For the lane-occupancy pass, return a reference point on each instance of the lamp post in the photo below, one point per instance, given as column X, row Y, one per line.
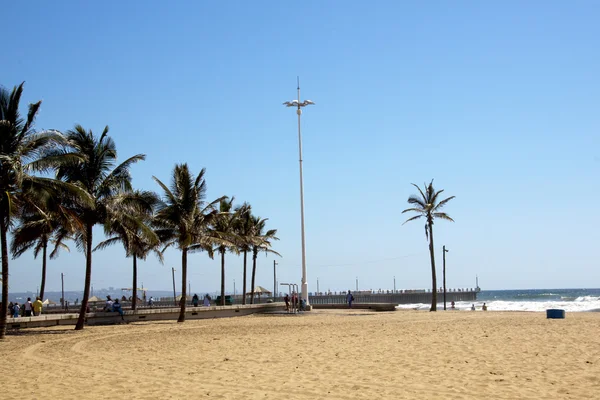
column 299, row 105
column 62, row 280
column 275, row 263
column 174, row 295
column 444, row 272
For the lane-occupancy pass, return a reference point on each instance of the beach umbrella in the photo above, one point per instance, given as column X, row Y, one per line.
column 94, row 299
column 48, row 302
column 260, row 290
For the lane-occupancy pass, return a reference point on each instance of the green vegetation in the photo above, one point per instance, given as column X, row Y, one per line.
column 428, row 205
column 56, row 187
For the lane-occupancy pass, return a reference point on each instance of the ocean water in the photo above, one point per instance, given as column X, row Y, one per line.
column 527, row 300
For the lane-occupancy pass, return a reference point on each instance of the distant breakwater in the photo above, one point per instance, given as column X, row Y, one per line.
column 394, row 298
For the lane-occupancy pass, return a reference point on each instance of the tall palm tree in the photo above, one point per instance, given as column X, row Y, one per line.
column 42, row 227
column 129, row 223
column 427, row 205
column 22, row 152
column 94, row 175
column 183, row 219
column 245, row 238
column 225, row 227
column 262, row 243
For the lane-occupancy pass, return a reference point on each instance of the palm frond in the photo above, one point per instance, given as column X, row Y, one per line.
column 442, row 203
column 442, row 216
column 413, row 218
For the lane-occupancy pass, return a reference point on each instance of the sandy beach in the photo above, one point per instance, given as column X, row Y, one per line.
column 323, row 354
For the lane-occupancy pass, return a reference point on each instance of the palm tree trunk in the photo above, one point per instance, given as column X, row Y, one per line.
column 4, row 308
column 222, row 277
column 88, row 277
column 254, row 254
column 183, row 285
column 134, row 299
column 244, row 292
column 433, row 280
column 43, row 284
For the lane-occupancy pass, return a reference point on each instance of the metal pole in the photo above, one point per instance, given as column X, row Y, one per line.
column 304, row 281
column 189, row 287
column 174, row 295
column 234, row 292
column 394, row 284
column 318, row 286
column 274, row 280
column 444, row 273
column 62, row 279
column 357, row 283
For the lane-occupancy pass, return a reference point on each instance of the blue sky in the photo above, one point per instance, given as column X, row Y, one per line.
column 498, row 102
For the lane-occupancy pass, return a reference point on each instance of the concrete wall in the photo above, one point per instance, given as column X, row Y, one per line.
column 150, row 314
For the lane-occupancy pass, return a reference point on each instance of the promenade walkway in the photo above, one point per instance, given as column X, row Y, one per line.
column 148, row 314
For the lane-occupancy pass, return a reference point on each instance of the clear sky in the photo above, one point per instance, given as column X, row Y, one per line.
column 497, row 101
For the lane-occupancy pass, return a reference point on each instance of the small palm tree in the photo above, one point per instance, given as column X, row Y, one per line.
column 245, row 238
column 129, row 223
column 262, row 243
column 22, row 152
column 183, row 219
column 225, row 227
column 39, row 228
column 94, row 173
column 428, row 206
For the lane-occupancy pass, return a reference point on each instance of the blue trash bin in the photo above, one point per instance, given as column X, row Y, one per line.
column 555, row 314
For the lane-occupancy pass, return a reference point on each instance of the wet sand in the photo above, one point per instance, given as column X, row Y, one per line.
column 335, row 354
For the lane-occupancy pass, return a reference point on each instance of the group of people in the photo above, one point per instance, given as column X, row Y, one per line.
column 27, row 309
column 483, row 307
column 114, row 306
column 295, row 303
column 196, row 300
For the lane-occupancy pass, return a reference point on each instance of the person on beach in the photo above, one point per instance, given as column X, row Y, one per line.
column 473, row 307
column 116, row 306
column 28, row 307
column 484, row 307
column 195, row 300
column 37, row 306
column 349, row 299
column 151, row 301
column 108, row 306
column 206, row 300
column 287, row 302
column 452, row 305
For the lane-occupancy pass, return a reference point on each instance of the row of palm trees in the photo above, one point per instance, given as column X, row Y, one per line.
column 56, row 187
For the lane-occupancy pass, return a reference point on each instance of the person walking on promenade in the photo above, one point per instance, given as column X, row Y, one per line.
column 37, row 306
column 206, row 300
column 28, row 307
column 287, row 302
column 151, row 301
column 349, row 299
column 195, row 300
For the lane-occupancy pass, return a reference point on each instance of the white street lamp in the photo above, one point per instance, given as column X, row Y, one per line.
column 299, row 105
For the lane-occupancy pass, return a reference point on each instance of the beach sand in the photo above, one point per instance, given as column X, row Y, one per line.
column 337, row 354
